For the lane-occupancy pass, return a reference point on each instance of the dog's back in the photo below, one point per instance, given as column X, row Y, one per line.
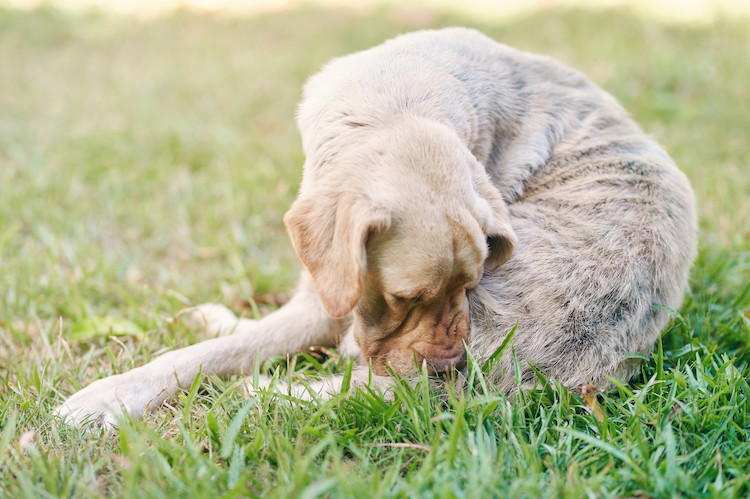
column 605, row 220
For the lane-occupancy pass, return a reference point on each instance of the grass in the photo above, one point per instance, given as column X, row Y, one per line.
column 145, row 166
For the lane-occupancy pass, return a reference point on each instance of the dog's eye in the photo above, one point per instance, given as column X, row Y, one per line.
column 406, row 299
column 416, row 300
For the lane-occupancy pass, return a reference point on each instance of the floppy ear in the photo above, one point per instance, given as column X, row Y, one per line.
column 501, row 239
column 329, row 233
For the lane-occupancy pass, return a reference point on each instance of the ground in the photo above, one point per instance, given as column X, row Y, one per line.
column 145, row 165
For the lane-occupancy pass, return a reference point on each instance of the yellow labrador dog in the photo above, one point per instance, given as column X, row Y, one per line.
column 454, row 186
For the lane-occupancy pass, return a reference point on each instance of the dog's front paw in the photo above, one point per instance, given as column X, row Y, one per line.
column 103, row 402
column 214, row 319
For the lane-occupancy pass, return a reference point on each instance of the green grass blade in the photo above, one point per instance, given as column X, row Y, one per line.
column 228, row 442
column 495, row 357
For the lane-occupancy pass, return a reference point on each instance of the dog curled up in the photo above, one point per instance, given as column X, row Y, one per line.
column 455, row 187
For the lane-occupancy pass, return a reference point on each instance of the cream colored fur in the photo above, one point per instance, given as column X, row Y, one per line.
column 454, row 186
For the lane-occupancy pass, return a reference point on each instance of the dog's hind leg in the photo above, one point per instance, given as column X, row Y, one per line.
column 325, row 388
column 214, row 319
column 299, row 324
column 361, row 377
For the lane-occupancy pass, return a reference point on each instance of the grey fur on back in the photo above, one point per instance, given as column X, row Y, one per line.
column 605, row 221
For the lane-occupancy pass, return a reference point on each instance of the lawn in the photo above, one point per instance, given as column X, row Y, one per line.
column 145, row 165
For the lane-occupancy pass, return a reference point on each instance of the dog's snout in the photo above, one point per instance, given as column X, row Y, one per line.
column 444, row 365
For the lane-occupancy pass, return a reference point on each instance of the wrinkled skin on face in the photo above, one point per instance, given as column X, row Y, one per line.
column 414, row 305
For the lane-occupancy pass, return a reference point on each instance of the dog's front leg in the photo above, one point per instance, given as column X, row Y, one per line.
column 296, row 326
column 361, row 378
column 324, row 389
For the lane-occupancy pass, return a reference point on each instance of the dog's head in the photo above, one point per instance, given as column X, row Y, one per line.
column 398, row 233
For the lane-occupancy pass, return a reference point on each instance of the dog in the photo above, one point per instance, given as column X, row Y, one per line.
column 455, row 189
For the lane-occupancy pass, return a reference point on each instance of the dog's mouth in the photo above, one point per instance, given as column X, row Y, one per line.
column 438, row 342
column 437, row 366
column 443, row 366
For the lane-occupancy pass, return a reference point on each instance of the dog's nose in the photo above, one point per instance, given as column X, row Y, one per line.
column 444, row 365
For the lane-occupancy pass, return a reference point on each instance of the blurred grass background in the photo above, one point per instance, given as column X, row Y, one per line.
column 147, row 155
column 163, row 152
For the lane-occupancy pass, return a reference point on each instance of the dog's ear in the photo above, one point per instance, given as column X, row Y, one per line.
column 329, row 233
column 501, row 239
